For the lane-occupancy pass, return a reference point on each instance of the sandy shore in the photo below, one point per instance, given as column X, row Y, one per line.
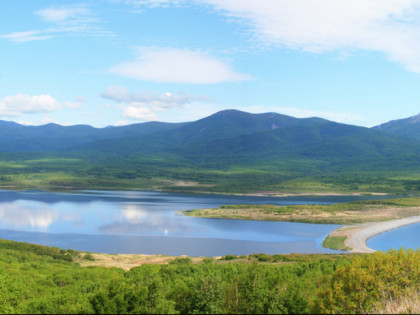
column 280, row 194
column 357, row 235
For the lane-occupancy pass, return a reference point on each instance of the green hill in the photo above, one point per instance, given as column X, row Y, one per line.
column 407, row 127
column 230, row 151
column 47, row 280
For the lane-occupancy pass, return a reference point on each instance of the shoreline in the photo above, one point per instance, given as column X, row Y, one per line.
column 358, row 234
column 275, row 194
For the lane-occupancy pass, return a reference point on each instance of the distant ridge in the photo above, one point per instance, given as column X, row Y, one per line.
column 228, row 136
column 52, row 137
column 229, row 151
column 407, row 127
column 236, row 137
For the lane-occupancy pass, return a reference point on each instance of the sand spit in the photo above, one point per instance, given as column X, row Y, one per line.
column 357, row 235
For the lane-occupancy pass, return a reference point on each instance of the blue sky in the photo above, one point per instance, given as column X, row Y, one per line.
column 115, row 62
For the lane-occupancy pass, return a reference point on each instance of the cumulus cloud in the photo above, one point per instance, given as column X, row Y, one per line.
column 19, row 104
column 143, row 105
column 164, row 64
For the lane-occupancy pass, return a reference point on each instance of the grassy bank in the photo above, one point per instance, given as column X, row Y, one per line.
column 343, row 213
column 335, row 242
column 81, row 170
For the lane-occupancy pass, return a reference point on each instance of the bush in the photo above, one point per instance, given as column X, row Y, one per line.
column 88, row 256
column 359, row 286
column 181, row 261
column 229, row 257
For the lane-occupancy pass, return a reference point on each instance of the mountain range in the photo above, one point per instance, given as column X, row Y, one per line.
column 227, row 133
column 229, row 140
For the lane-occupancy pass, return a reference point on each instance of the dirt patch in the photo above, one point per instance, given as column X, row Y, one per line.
column 128, row 261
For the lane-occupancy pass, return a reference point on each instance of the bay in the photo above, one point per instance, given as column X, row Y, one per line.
column 147, row 222
column 404, row 237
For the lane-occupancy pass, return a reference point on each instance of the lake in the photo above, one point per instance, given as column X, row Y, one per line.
column 407, row 237
column 147, row 222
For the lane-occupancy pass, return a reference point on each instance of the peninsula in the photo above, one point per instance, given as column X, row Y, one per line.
column 361, row 220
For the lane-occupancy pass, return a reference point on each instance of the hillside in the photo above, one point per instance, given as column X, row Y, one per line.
column 243, row 136
column 52, row 137
column 407, row 127
column 46, row 280
column 230, row 151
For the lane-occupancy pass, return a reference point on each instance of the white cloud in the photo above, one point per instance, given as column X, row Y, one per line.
column 21, row 37
column 164, row 64
column 140, row 113
column 142, row 106
column 121, row 123
column 78, row 104
column 20, row 104
column 391, row 27
column 66, row 14
column 45, row 120
column 151, row 99
column 61, row 20
column 150, row 3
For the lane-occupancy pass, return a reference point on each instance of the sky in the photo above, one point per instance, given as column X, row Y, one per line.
column 118, row 62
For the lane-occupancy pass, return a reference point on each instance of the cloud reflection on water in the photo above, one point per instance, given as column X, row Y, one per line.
column 38, row 216
column 133, row 219
column 18, row 215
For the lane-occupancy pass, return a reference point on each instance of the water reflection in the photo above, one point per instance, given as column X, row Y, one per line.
column 146, row 222
column 23, row 214
column 135, row 219
column 37, row 216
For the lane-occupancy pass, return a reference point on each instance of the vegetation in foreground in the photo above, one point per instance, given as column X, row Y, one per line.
column 342, row 213
column 37, row 279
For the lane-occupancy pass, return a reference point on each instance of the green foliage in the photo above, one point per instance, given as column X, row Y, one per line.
column 88, row 256
column 181, row 261
column 262, row 257
column 52, row 252
column 229, row 257
column 335, row 242
column 32, row 281
column 358, row 287
column 229, row 152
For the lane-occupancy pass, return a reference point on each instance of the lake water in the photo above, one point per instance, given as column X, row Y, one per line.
column 147, row 222
column 407, row 237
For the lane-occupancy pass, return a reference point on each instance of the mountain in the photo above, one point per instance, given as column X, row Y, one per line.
column 237, row 137
column 227, row 124
column 407, row 127
column 311, row 138
column 229, row 136
column 52, row 137
column 230, row 151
